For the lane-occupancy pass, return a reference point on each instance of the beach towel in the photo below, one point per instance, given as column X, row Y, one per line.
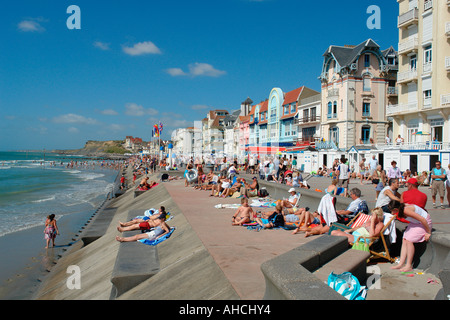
column 390, row 230
column 159, row 240
column 326, row 209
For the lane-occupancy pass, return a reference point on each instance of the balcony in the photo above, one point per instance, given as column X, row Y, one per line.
column 402, row 108
column 447, row 64
column 428, row 5
column 409, row 45
column 307, row 120
column 427, row 103
column 408, row 18
column 447, row 29
column 445, row 100
column 427, row 68
column 392, row 91
column 407, row 76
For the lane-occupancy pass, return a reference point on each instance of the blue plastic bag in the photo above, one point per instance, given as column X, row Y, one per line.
column 347, row 285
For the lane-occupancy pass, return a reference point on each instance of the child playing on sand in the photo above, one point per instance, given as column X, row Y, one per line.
column 51, row 230
column 243, row 214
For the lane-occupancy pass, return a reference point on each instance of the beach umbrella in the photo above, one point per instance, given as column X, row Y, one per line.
column 421, row 133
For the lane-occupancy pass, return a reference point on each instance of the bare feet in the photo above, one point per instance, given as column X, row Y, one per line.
column 406, row 269
column 119, row 238
column 119, row 229
column 399, row 266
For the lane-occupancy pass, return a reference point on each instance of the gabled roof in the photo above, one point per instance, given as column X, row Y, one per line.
column 292, row 96
column 348, row 54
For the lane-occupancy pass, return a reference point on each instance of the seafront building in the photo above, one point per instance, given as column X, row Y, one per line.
column 421, row 119
column 394, row 104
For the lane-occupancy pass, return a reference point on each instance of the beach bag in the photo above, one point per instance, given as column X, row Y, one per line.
column 347, row 285
column 263, row 193
column 361, row 246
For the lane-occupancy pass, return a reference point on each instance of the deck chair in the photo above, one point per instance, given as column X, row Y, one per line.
column 378, row 246
column 356, row 222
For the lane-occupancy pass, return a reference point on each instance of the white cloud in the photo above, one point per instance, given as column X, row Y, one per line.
column 197, row 70
column 109, row 112
column 142, row 48
column 199, row 107
column 73, row 130
column 135, row 110
column 74, row 118
column 102, row 45
column 31, row 25
column 204, row 69
column 174, row 72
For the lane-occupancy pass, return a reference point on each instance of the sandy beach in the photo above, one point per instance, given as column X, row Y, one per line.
column 27, row 261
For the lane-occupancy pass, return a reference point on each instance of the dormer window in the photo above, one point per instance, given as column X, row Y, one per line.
column 367, row 61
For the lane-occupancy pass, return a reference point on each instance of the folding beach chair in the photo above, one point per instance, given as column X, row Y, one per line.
column 381, row 249
column 355, row 223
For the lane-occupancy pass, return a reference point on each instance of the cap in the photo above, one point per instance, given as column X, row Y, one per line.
column 413, row 181
column 254, row 178
column 291, row 190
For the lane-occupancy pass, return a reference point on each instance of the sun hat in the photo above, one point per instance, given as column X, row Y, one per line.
column 291, row 190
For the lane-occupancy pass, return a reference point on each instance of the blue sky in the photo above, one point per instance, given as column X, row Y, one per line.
column 135, row 63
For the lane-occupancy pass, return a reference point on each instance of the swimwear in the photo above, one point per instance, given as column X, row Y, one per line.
column 144, row 225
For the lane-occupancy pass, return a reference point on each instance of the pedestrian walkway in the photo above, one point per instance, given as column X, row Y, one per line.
column 239, row 252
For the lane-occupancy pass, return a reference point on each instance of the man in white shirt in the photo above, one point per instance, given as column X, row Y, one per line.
column 373, row 163
column 342, row 173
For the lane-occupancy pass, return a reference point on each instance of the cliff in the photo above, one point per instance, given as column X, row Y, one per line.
column 98, row 148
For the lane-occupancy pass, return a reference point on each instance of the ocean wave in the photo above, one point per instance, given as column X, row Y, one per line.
column 45, row 200
column 4, row 168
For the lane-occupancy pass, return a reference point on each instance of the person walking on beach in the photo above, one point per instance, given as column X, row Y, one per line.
column 51, row 230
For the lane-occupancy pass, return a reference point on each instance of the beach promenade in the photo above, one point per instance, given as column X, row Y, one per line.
column 208, row 259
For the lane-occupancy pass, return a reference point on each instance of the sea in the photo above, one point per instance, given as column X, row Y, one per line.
column 34, row 185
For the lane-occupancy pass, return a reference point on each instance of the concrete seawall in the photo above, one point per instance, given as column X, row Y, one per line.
column 185, row 264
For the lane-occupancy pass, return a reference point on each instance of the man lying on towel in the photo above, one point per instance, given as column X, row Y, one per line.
column 160, row 230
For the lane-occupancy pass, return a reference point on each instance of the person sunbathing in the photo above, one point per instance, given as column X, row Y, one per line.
column 159, row 231
column 306, row 220
column 232, row 189
column 273, row 219
column 243, row 214
column 143, row 225
column 162, row 210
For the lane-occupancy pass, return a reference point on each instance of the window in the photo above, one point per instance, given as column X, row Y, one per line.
column 293, row 108
column 335, row 109
column 330, row 110
column 427, row 98
column 413, row 62
column 365, row 134
column 313, row 114
column 366, row 109
column 305, row 115
column 428, row 52
column 367, row 61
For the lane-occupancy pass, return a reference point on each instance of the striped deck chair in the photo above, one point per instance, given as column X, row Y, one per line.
column 355, row 223
column 381, row 249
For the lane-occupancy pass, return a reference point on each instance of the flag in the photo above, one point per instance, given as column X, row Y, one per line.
column 156, row 130
column 160, row 127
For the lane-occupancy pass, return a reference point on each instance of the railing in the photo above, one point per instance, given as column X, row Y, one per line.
column 325, row 145
column 307, row 120
column 408, row 17
column 332, row 116
column 427, row 67
column 445, row 100
column 447, row 29
column 447, row 63
column 428, row 145
column 407, row 76
column 392, row 91
column 408, row 45
column 401, row 108
column 427, row 103
column 428, row 5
